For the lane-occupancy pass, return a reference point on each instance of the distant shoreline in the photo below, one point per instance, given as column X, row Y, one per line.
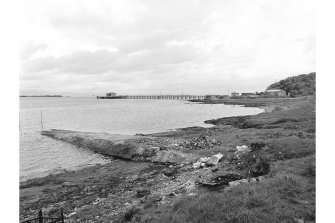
column 58, row 96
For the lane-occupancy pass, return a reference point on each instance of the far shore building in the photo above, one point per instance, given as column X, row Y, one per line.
column 111, row 94
column 235, row 94
column 275, row 93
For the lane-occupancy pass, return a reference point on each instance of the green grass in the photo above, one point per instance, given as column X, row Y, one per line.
column 289, row 114
column 289, row 193
column 285, row 139
column 290, row 148
column 296, row 116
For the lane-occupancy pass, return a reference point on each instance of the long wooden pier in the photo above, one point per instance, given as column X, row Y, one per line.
column 166, row 97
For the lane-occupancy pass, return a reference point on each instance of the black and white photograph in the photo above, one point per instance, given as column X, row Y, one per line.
column 166, row 111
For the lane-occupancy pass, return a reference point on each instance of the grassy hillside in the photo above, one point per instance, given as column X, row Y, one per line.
column 300, row 85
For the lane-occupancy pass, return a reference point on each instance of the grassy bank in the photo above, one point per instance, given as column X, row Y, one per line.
column 287, row 194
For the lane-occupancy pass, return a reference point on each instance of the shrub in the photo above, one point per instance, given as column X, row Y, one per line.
column 300, row 85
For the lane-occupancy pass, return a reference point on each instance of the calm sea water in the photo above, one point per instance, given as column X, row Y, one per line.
column 40, row 155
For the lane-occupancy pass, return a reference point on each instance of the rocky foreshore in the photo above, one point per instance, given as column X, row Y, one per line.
column 150, row 173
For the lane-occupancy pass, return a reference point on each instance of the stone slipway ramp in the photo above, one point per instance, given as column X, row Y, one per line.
column 120, row 146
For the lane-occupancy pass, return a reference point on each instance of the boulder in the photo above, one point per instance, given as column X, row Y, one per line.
column 196, row 165
column 243, row 148
column 214, row 160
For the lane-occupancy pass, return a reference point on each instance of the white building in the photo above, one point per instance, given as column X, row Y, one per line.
column 275, row 93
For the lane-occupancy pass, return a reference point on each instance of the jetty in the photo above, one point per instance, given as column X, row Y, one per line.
column 166, row 97
column 125, row 147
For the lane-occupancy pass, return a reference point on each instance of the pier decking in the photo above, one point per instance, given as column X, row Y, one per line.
column 166, row 97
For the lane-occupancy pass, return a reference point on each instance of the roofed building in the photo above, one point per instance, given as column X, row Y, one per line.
column 111, row 94
column 275, row 93
column 235, row 94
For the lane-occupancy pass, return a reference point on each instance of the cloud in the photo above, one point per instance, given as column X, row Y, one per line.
column 31, row 48
column 102, row 61
column 82, row 62
column 143, row 46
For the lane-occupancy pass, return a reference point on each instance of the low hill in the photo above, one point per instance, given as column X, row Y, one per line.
column 45, row 96
column 301, row 85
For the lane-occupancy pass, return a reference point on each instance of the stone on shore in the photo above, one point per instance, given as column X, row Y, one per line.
column 251, row 180
column 196, row 165
column 222, row 179
column 243, row 149
column 214, row 160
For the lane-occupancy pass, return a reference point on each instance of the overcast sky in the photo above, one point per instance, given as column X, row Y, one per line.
column 150, row 46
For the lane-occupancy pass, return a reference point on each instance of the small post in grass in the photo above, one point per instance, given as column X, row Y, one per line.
column 40, row 218
column 62, row 215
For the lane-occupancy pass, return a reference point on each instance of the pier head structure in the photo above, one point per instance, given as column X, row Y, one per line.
column 166, row 97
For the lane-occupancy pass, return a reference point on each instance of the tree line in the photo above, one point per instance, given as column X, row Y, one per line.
column 301, row 85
